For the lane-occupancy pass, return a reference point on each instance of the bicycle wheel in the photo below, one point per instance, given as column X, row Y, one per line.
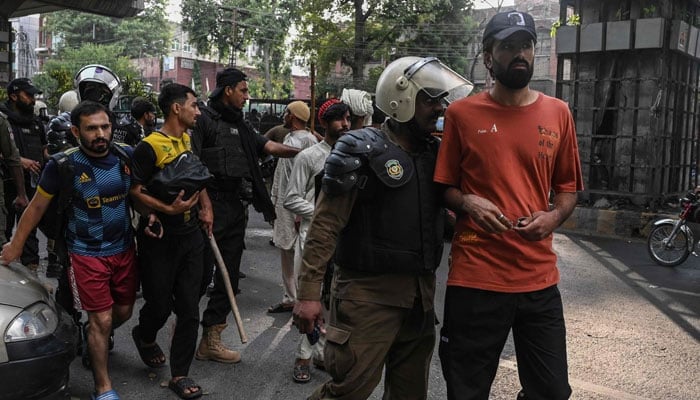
column 665, row 252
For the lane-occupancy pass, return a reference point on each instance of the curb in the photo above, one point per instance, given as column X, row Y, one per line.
column 624, row 224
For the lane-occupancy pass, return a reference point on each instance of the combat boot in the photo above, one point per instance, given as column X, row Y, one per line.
column 211, row 348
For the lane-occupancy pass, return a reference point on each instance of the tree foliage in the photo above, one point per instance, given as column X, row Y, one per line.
column 145, row 35
column 218, row 28
column 356, row 32
column 446, row 35
column 59, row 72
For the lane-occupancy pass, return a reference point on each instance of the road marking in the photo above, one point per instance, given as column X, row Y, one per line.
column 257, row 232
column 587, row 386
column 274, row 346
column 676, row 291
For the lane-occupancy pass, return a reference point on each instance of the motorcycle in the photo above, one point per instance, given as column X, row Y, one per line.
column 671, row 240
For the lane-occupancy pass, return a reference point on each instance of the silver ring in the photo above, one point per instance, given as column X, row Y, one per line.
column 500, row 216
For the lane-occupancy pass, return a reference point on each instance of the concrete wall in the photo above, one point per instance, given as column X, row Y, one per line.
column 636, row 109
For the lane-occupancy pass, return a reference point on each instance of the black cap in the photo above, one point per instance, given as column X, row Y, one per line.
column 227, row 77
column 507, row 23
column 22, row 85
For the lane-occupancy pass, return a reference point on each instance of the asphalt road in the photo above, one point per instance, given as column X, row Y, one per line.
column 633, row 332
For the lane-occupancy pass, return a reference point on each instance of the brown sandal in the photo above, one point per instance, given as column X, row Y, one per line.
column 302, row 372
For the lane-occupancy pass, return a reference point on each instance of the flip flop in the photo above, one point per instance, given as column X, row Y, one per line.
column 183, row 384
column 108, row 395
column 280, row 308
column 301, row 373
column 147, row 352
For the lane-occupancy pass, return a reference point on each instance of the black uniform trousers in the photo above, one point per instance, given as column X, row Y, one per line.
column 229, row 232
column 476, row 327
column 171, row 272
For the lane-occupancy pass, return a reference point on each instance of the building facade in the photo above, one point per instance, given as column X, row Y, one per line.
column 544, row 12
column 629, row 71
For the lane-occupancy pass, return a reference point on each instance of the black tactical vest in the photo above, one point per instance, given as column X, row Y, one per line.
column 396, row 224
column 226, row 159
column 28, row 139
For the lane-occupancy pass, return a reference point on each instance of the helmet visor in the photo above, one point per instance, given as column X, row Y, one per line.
column 95, row 91
column 97, row 73
column 438, row 80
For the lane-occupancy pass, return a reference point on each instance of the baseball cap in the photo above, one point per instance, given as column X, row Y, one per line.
column 507, row 23
column 300, row 110
column 22, row 85
column 227, row 77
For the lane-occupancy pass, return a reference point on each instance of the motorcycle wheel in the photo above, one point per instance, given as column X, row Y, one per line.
column 664, row 253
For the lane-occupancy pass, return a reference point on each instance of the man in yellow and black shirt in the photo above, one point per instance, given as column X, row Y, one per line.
column 171, row 268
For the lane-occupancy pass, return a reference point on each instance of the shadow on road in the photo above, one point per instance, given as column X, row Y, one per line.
column 674, row 291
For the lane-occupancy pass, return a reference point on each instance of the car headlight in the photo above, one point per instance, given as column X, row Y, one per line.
column 36, row 321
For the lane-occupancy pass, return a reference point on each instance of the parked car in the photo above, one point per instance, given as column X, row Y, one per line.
column 39, row 338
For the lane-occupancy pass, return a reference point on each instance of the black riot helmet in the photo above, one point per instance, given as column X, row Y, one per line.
column 59, row 136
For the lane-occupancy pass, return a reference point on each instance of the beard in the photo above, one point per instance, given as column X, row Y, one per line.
column 150, row 124
column 511, row 77
column 424, row 126
column 99, row 145
column 25, row 108
column 336, row 134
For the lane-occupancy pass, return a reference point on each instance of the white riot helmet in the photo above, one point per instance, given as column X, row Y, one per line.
column 68, row 101
column 401, row 81
column 40, row 109
column 97, row 83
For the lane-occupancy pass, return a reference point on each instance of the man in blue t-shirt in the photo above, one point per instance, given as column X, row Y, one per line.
column 99, row 236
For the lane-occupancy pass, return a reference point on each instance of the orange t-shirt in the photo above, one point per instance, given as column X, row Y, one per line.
column 514, row 157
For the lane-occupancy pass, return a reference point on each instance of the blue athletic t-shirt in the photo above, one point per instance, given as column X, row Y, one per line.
column 99, row 223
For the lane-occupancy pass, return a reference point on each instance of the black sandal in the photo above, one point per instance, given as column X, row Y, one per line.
column 280, row 308
column 148, row 353
column 183, row 384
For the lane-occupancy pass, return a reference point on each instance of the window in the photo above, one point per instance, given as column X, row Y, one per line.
column 176, row 45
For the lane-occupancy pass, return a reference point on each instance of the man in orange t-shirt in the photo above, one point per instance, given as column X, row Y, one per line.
column 503, row 152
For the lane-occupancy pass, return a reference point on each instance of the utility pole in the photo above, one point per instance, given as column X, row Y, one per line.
column 313, row 95
column 237, row 28
column 26, row 58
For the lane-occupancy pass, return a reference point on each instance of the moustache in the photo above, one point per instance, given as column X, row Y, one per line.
column 519, row 61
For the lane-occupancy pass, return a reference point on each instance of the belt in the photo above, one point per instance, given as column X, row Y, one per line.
column 215, row 195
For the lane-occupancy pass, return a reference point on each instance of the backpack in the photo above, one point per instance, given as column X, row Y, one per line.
column 53, row 222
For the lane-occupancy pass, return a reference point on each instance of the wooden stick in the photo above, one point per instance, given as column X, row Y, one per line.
column 229, row 290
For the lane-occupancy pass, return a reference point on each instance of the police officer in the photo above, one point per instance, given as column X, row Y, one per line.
column 13, row 168
column 382, row 214
column 29, row 136
column 230, row 148
column 98, row 83
column 68, row 101
column 58, row 136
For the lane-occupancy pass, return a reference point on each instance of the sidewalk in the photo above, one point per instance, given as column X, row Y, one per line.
column 623, row 224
